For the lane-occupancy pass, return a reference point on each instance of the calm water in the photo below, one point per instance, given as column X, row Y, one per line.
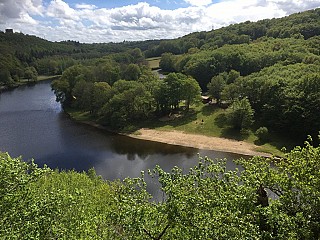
column 33, row 125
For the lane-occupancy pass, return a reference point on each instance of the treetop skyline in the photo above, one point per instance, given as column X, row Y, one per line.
column 91, row 21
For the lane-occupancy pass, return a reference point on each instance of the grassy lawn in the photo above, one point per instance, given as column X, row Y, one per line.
column 153, row 62
column 210, row 120
column 79, row 115
column 43, row 78
column 40, row 78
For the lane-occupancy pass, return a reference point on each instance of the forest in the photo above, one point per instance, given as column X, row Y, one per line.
column 262, row 78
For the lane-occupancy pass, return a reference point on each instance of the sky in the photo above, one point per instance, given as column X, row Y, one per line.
column 98, row 21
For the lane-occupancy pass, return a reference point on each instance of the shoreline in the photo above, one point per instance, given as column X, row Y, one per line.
column 5, row 88
column 180, row 138
column 198, row 141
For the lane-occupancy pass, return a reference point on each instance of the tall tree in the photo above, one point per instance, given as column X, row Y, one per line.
column 31, row 73
column 216, row 86
column 240, row 114
column 132, row 72
column 191, row 91
column 167, row 62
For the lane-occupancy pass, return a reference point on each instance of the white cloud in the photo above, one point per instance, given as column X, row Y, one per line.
column 20, row 10
column 198, row 2
column 292, row 6
column 87, row 23
column 61, row 10
column 85, row 6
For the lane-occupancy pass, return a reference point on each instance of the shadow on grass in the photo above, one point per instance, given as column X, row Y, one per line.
column 280, row 142
column 235, row 134
column 185, row 118
column 259, row 142
column 221, row 120
column 207, row 110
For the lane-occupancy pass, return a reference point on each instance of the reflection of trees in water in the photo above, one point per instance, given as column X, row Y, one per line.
column 142, row 148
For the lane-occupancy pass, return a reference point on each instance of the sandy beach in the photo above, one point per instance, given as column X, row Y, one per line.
column 198, row 141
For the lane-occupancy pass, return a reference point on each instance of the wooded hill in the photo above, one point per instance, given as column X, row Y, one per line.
column 19, row 51
column 300, row 25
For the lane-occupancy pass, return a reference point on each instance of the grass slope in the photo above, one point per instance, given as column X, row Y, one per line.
column 154, row 62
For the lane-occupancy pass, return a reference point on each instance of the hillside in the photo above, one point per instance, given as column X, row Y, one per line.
column 300, row 25
column 19, row 51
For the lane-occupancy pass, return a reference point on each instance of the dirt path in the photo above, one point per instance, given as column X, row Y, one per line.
column 198, row 141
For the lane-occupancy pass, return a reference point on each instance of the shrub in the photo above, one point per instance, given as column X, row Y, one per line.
column 262, row 134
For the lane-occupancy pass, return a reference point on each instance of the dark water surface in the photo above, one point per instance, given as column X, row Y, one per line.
column 33, row 125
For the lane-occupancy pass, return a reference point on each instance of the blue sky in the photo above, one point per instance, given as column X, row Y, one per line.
column 130, row 20
column 164, row 4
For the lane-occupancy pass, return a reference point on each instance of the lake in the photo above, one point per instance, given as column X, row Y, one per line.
column 32, row 124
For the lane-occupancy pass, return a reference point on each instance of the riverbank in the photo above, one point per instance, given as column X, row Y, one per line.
column 180, row 138
column 25, row 82
column 198, row 141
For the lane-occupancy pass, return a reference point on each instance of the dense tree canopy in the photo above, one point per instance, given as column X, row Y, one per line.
column 207, row 202
column 240, row 114
column 283, row 97
column 125, row 101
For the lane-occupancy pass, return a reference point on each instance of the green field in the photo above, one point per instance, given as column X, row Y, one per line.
column 153, row 63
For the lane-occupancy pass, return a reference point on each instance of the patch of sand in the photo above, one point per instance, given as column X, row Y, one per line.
column 198, row 141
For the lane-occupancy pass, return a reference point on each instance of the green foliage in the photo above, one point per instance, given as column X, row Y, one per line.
column 207, row 202
column 285, row 98
column 295, row 181
column 5, row 77
column 137, row 55
column 167, row 62
column 82, row 94
column 216, row 86
column 31, row 73
column 262, row 134
column 16, row 196
column 125, row 101
column 240, row 114
column 49, row 66
column 108, row 72
column 130, row 101
column 190, row 91
column 245, row 58
column 63, row 87
column 303, row 25
column 175, row 88
column 132, row 72
column 101, row 93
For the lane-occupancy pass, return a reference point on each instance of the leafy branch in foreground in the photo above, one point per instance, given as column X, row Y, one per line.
column 263, row 199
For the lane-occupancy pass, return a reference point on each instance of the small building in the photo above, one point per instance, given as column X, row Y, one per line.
column 206, row 99
column 9, row 30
